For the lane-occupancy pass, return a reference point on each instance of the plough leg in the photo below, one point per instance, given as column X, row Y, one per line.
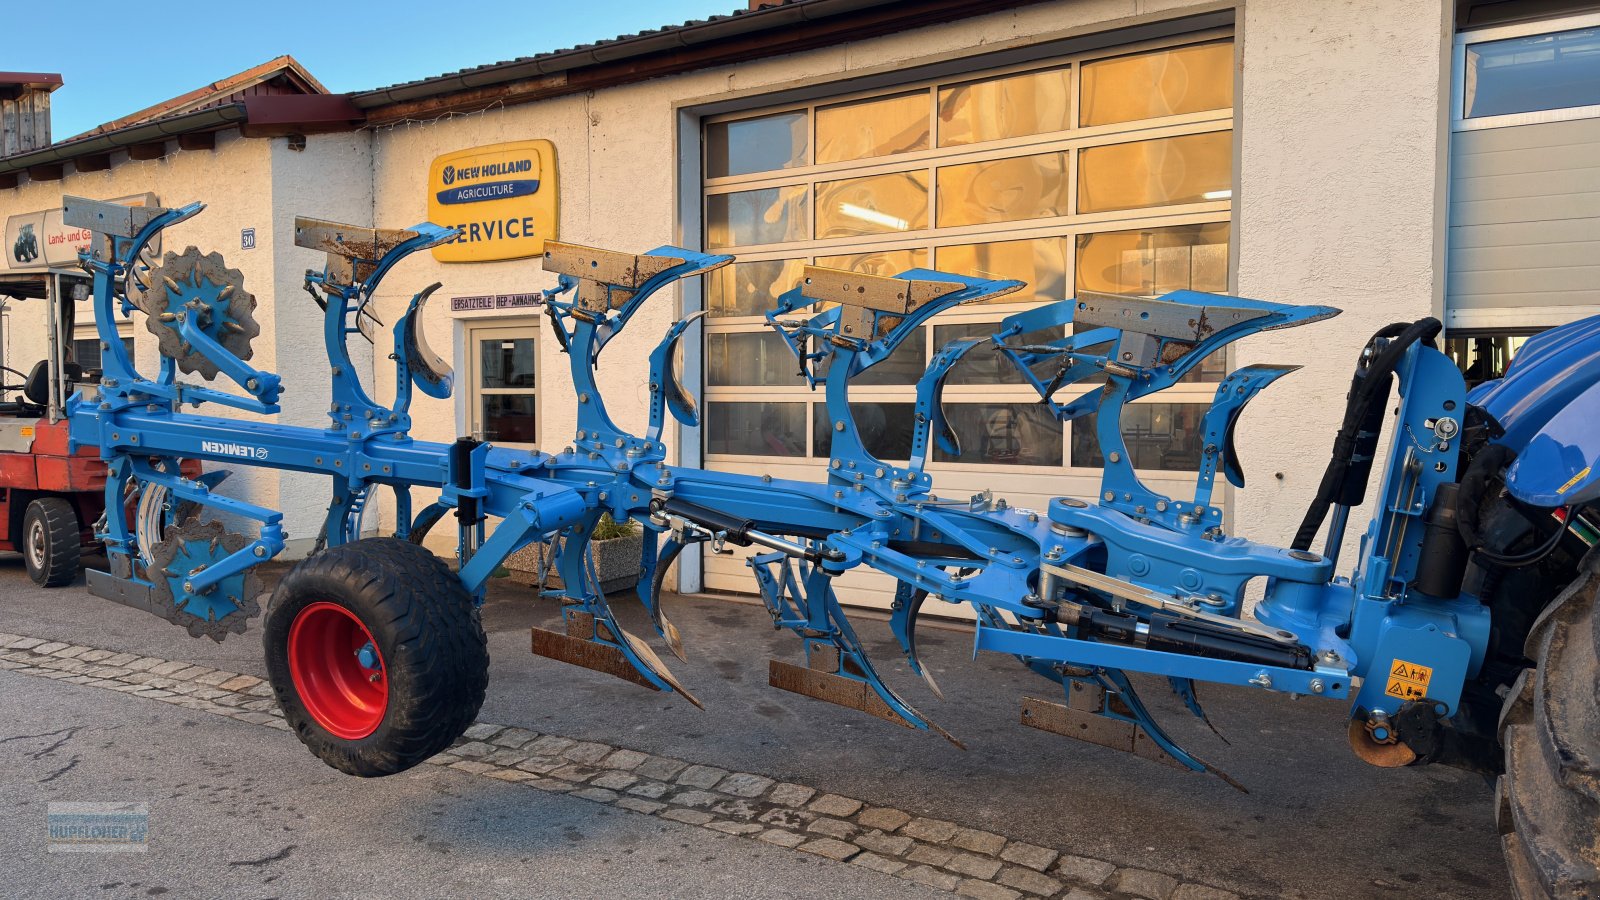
column 655, row 574
column 593, row 638
column 1105, row 710
column 837, row 669
column 908, row 601
column 1186, row 691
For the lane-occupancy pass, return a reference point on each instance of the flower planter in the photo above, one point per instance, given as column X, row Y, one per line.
column 616, row 562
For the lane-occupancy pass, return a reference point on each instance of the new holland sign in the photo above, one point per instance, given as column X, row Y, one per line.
column 500, row 198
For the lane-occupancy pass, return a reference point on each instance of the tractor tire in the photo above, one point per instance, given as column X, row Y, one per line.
column 1548, row 800
column 376, row 654
column 50, row 545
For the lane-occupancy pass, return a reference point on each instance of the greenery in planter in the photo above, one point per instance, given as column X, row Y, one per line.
column 608, row 528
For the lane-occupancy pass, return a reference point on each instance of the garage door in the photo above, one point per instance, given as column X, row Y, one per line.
column 1109, row 171
column 1524, row 245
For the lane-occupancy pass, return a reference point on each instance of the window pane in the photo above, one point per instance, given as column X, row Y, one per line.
column 878, row 262
column 1184, row 169
column 1012, row 434
column 1546, row 71
column 754, row 358
column 983, row 364
column 766, row 216
column 1012, row 106
column 1163, row 83
column 904, row 366
column 1483, row 357
column 876, row 127
column 875, row 205
column 508, row 418
column 1041, row 263
column 885, row 429
column 1025, row 187
column 507, row 362
column 1149, row 262
column 756, row 429
column 756, row 145
column 1161, row 436
column 750, row 289
column 86, row 352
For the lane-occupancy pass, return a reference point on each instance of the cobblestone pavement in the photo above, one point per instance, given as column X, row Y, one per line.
column 1316, row 823
column 933, row 853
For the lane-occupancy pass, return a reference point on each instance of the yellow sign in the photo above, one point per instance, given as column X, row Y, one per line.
column 1408, row 681
column 501, row 198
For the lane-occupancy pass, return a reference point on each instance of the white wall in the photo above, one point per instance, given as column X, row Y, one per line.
column 1342, row 127
column 330, row 179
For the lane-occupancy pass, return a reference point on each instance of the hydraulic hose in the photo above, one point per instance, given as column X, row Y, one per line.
column 1475, row 482
column 1488, row 463
column 1355, row 446
column 1527, row 558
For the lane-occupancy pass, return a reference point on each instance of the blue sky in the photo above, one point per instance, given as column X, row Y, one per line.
column 117, row 58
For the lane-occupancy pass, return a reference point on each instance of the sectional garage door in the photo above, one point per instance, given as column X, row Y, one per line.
column 1109, row 171
column 1524, row 245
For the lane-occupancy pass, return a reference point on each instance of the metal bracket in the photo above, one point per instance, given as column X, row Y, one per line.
column 108, row 218
column 1116, row 587
column 1167, row 319
column 876, row 292
column 353, row 250
column 608, row 279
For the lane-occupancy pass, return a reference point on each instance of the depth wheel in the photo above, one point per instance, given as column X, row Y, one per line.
column 1549, row 796
column 376, row 655
column 50, row 545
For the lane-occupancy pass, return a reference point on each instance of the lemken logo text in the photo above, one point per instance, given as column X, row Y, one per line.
column 228, row 448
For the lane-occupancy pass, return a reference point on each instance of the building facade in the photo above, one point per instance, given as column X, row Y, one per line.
column 1395, row 160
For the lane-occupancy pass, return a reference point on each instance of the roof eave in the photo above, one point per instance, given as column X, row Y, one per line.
column 148, row 132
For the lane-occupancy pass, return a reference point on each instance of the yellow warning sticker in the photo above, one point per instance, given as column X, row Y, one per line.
column 1408, row 681
column 27, row 431
column 1574, row 480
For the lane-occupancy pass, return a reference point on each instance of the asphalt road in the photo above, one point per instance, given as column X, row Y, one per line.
column 1315, row 823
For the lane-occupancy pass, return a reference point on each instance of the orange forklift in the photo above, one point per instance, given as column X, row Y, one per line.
column 50, row 499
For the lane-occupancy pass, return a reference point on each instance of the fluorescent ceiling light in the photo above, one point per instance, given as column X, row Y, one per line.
column 873, row 216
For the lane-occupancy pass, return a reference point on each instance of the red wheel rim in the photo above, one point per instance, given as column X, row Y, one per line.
column 325, row 660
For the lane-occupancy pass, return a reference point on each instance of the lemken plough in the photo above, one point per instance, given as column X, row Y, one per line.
column 1466, row 597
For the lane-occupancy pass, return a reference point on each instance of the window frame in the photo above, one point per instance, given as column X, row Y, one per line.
column 508, row 328
column 1067, row 227
column 1458, row 74
column 92, row 333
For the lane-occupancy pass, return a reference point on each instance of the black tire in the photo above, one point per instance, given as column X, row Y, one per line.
column 1549, row 797
column 435, row 659
column 50, row 546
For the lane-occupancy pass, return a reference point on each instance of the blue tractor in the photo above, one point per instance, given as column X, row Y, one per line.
column 1464, row 632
